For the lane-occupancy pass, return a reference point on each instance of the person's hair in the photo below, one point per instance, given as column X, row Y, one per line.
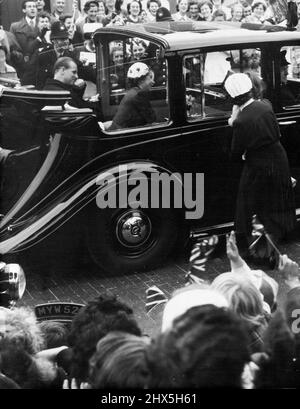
column 243, row 297
column 64, row 17
column 62, row 62
column 23, row 5
column 119, row 362
column 20, row 327
column 192, row 3
column 136, row 1
column 208, row 3
column 258, row 3
column 234, row 6
column 100, row 316
column 219, row 13
column 258, row 85
column 205, row 348
column 153, row 1
column 90, row 4
column 55, row 334
column 43, row 14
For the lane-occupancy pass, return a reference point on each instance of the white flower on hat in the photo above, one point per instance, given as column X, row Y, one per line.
column 138, row 70
column 238, row 84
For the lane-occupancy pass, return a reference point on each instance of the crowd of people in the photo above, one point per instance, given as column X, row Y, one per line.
column 29, row 50
column 226, row 333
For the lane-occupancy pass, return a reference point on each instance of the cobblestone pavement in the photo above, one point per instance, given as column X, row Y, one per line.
column 82, row 283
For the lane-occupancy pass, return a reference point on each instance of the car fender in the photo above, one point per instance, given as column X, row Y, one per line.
column 19, row 236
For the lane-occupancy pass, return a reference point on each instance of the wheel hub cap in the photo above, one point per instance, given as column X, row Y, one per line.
column 133, row 228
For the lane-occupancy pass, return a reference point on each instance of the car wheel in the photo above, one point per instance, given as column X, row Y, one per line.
column 124, row 240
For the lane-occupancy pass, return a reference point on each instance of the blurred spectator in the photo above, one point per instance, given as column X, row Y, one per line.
column 111, row 12
column 75, row 34
column 119, row 362
column 29, row 372
column 40, row 5
column 206, row 9
column 91, row 10
column 247, row 10
column 14, row 53
column 219, row 15
column 134, row 9
column 117, row 73
column 205, row 348
column 236, row 12
column 43, row 21
column 6, row 71
column 26, row 30
column 20, row 327
column 102, row 10
column 194, row 12
column 218, row 5
column 182, row 11
column 58, row 9
column 258, row 13
column 55, row 334
column 138, row 50
column 152, row 7
column 92, row 323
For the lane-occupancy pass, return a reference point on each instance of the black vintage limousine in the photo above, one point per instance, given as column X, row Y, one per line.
column 63, row 160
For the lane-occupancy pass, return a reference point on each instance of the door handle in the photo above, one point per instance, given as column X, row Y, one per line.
column 287, row 122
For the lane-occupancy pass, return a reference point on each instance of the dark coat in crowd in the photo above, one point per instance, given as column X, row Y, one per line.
column 25, row 35
column 135, row 110
column 265, row 185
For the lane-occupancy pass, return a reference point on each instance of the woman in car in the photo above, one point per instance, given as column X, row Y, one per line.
column 135, row 108
column 265, row 186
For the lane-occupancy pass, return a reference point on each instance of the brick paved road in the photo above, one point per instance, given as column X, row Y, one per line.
column 82, row 283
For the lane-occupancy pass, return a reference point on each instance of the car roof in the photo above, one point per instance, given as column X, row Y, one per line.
column 176, row 36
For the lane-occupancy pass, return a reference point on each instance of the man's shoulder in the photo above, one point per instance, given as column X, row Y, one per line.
column 55, row 85
column 18, row 24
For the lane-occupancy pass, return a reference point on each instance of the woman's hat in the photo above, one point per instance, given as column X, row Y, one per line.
column 138, row 70
column 238, row 84
column 58, row 31
column 163, row 14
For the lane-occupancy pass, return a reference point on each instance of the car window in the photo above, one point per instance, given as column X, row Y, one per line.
column 127, row 102
column 290, row 76
column 205, row 75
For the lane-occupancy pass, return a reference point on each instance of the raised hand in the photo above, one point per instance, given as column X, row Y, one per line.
column 231, row 247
